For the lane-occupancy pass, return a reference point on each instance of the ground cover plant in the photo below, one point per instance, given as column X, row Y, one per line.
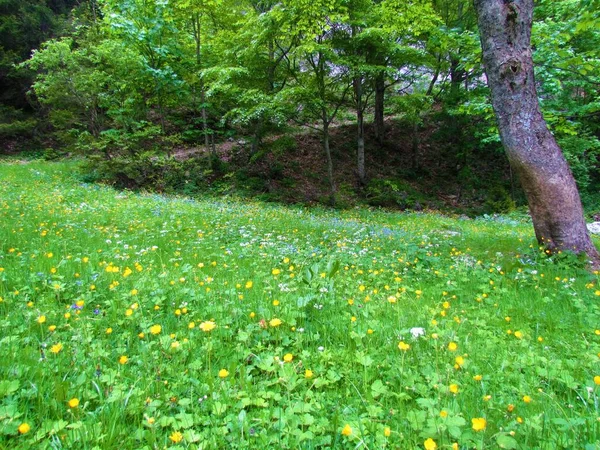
column 138, row 321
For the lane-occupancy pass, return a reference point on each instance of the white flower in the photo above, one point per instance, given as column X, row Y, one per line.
column 417, row 331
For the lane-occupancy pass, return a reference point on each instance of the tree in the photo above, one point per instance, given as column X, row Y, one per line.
column 554, row 202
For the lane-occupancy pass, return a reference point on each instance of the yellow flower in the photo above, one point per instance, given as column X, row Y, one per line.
column 56, row 348
column 208, row 326
column 347, row 430
column 155, row 329
column 477, row 377
column 518, row 335
column 24, row 428
column 73, row 403
column 52, row 328
column 452, row 346
column 443, row 413
column 430, row 444
column 418, row 292
column 453, row 388
column 41, row 319
column 191, row 325
column 459, row 360
column 403, row 346
column 109, row 330
column 479, row 423
column 275, row 271
column 597, row 379
column 176, row 437
column 127, row 272
column 527, row 399
column 128, row 312
column 223, row 373
column 387, row 431
column 288, row 357
column 249, row 284
column 123, row 359
column 275, row 322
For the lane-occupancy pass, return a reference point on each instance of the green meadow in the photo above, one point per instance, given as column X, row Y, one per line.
column 139, row 321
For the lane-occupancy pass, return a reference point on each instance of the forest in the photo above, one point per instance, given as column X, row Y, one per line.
column 326, row 224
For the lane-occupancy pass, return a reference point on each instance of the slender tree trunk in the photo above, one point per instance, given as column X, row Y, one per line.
column 204, row 118
column 360, row 128
column 329, row 160
column 535, row 157
column 379, row 105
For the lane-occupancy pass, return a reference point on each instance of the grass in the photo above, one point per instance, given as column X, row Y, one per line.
column 137, row 321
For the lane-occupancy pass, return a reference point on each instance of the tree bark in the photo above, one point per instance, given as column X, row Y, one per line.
column 329, row 159
column 534, row 155
column 379, row 105
column 360, row 131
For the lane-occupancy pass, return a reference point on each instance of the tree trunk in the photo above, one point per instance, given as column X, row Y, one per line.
column 379, row 105
column 360, row 128
column 329, row 160
column 535, row 157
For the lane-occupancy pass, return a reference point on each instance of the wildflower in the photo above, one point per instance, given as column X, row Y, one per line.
column 155, row 329
column 41, row 319
column 288, row 357
column 459, row 361
column 191, row 325
column 308, row 373
column 417, row 331
column 223, row 373
column 109, row 330
column 347, row 430
column 52, row 328
column 510, row 408
column 403, row 346
column 518, row 335
column 527, row 399
column 597, row 379
column 387, row 431
column 452, row 346
column 208, row 326
column 453, row 388
column 73, row 403
column 249, row 284
column 275, row 322
column 275, row 271
column 477, row 377
column 123, row 359
column 430, row 444
column 176, row 437
column 443, row 413
column 479, row 424
column 24, row 428
column 56, row 348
